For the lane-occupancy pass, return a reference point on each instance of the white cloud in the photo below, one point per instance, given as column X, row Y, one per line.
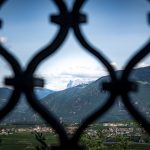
column 3, row 40
column 58, row 80
column 142, row 64
column 83, row 72
column 58, row 75
column 115, row 65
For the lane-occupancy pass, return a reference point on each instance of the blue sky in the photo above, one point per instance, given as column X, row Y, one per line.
column 116, row 27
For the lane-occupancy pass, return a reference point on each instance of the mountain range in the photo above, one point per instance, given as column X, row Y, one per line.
column 75, row 103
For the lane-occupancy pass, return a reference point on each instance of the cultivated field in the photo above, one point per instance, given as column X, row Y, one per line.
column 96, row 137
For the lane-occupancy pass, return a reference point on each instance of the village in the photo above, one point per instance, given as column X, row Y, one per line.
column 109, row 129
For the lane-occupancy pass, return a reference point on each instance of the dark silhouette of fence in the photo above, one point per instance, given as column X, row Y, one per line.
column 24, row 80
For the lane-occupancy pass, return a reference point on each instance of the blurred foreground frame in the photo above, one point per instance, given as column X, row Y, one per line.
column 24, row 81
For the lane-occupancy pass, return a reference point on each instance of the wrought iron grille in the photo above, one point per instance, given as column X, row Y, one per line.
column 24, row 80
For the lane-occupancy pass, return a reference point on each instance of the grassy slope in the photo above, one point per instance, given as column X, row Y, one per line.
column 24, row 141
column 27, row 141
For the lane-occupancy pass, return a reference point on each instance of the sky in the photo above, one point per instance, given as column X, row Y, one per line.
column 117, row 28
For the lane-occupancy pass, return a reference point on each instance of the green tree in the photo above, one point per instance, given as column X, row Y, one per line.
column 94, row 142
column 123, row 142
column 42, row 140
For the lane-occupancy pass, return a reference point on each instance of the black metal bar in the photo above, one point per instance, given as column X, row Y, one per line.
column 93, row 117
column 46, row 115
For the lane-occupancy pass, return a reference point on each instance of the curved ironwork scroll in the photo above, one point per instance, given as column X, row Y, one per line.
column 24, row 81
column 16, row 92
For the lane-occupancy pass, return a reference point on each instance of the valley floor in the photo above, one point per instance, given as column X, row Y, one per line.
column 24, row 141
column 27, row 141
column 110, row 136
